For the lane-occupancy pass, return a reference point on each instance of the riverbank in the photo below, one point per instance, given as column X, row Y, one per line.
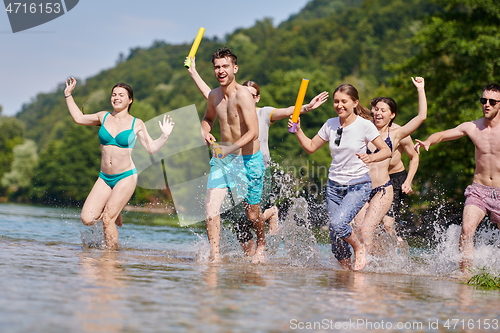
column 150, row 208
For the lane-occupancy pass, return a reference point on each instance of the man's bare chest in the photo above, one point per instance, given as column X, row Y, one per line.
column 228, row 113
column 486, row 141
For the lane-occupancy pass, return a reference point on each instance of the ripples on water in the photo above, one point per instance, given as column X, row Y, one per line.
column 159, row 280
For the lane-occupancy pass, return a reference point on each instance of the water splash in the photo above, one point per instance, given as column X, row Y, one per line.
column 429, row 250
column 444, row 256
column 296, row 233
column 294, row 241
column 202, row 248
column 93, row 236
column 487, row 249
column 390, row 254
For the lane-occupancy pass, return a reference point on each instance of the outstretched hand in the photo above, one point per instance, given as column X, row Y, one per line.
column 419, row 82
column 317, row 101
column 167, row 126
column 421, row 144
column 70, row 86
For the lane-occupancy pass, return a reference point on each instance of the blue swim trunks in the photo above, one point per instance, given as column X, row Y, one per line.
column 242, row 174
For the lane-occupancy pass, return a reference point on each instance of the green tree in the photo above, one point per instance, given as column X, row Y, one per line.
column 68, row 168
column 11, row 135
column 19, row 179
column 458, row 56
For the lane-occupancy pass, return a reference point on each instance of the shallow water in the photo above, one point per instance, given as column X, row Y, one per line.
column 159, row 281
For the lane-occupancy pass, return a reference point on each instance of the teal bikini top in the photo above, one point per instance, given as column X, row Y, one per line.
column 124, row 139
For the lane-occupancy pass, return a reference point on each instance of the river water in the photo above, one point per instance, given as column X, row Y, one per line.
column 54, row 279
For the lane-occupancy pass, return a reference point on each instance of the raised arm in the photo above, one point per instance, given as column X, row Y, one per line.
column 313, row 104
column 414, row 123
column 309, row 145
column 448, row 135
column 202, row 86
column 74, row 110
column 407, row 145
column 152, row 146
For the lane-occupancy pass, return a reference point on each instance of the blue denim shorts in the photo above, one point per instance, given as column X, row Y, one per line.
column 343, row 203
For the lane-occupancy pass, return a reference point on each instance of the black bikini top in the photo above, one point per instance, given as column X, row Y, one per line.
column 387, row 141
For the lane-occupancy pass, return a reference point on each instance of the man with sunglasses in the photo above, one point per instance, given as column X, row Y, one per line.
column 483, row 196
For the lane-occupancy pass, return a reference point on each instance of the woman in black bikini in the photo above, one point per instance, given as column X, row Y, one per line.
column 382, row 191
column 118, row 177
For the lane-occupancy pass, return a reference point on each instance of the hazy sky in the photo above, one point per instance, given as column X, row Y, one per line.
column 90, row 37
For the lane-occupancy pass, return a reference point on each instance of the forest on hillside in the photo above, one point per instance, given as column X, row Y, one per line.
column 376, row 45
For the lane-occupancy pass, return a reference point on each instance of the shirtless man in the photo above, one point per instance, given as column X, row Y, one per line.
column 234, row 105
column 266, row 116
column 483, row 196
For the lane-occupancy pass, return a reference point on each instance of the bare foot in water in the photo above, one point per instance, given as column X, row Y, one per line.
column 215, row 259
column 465, row 265
column 273, row 220
column 359, row 258
column 259, row 256
column 466, row 273
column 345, row 263
column 402, row 245
column 249, row 247
column 119, row 220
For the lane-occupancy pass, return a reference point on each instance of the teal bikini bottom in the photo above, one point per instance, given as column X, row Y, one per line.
column 112, row 180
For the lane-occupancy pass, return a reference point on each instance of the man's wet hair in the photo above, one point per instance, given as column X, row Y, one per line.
column 492, row 87
column 224, row 53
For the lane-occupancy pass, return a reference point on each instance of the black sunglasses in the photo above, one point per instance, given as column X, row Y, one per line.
column 493, row 102
column 339, row 136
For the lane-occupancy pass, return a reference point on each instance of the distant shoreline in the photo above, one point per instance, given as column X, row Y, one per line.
column 154, row 209
column 149, row 208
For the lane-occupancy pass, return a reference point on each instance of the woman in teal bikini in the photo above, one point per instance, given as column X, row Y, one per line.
column 118, row 177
